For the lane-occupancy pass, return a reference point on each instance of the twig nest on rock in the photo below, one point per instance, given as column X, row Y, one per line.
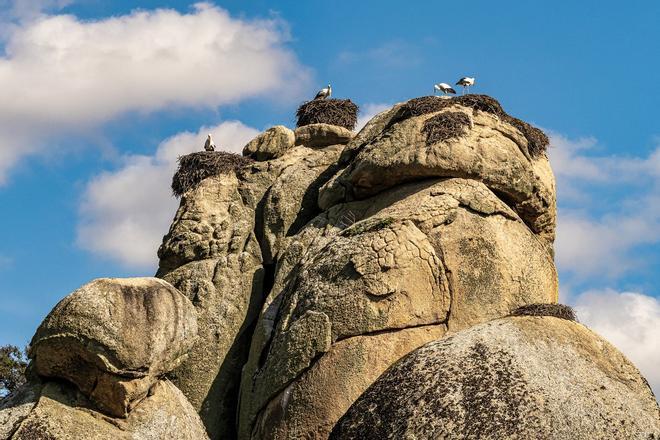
column 341, row 112
column 113, row 338
column 516, row 377
column 195, row 167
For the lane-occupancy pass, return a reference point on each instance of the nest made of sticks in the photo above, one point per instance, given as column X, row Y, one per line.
column 341, row 112
column 557, row 310
column 444, row 126
column 195, row 167
column 537, row 140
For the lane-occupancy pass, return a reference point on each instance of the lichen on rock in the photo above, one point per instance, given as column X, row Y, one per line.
column 516, row 377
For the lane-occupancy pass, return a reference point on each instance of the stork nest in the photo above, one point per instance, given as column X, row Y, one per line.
column 537, row 140
column 341, row 112
column 444, row 126
column 195, row 167
column 557, row 310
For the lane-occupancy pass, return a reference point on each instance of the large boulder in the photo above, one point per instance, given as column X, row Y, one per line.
column 97, row 366
column 443, row 254
column 516, row 377
column 113, row 338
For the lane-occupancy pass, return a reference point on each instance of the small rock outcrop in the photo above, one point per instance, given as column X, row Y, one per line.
column 271, row 144
column 97, row 367
column 516, row 377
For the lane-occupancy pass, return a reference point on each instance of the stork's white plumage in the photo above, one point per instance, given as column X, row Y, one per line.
column 444, row 88
column 324, row 93
column 209, row 145
column 466, row 82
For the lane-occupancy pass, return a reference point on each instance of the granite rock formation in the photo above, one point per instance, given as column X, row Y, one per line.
column 312, row 265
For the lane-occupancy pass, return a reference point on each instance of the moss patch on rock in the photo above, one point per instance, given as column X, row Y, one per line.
column 341, row 112
column 195, row 167
column 557, row 310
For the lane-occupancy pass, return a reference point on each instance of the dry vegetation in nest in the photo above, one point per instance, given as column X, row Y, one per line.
column 341, row 112
column 444, row 126
column 195, row 167
column 556, row 310
column 537, row 140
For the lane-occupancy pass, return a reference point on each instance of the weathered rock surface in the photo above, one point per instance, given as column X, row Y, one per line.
column 516, row 377
column 271, row 144
column 223, row 234
column 316, row 268
column 322, row 135
column 97, row 363
column 494, row 152
column 443, row 253
column 58, row 411
column 212, row 256
column 113, row 338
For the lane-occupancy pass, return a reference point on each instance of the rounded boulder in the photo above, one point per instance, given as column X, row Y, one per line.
column 114, row 337
column 515, row 377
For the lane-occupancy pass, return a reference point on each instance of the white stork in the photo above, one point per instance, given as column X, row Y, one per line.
column 466, row 82
column 444, row 88
column 324, row 93
column 209, row 145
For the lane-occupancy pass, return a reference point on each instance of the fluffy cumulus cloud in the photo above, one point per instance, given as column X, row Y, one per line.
column 61, row 75
column 124, row 213
column 609, row 207
column 631, row 321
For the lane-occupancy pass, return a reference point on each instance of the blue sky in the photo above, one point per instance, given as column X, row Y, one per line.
column 100, row 97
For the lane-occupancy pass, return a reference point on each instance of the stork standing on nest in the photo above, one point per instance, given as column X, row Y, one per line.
column 324, row 93
column 209, row 145
column 466, row 82
column 444, row 88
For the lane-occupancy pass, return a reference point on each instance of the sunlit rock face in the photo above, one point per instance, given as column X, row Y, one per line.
column 421, row 233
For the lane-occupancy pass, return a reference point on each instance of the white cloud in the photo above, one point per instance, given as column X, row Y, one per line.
column 609, row 207
column 368, row 111
column 125, row 213
column 61, row 75
column 630, row 321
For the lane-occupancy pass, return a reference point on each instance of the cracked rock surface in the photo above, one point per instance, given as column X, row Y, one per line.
column 413, row 241
column 225, row 235
column 516, row 377
column 446, row 254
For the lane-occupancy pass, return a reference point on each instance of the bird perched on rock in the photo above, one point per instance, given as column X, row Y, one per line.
column 324, row 93
column 209, row 145
column 444, row 88
column 466, row 82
